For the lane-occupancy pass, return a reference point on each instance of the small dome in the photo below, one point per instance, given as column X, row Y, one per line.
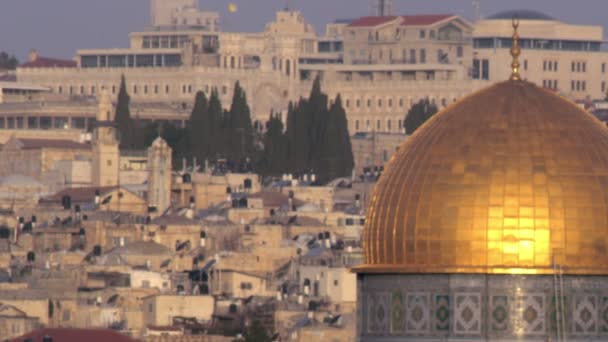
column 510, row 180
column 521, row 14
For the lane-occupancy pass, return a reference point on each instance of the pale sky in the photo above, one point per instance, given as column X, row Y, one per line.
column 57, row 28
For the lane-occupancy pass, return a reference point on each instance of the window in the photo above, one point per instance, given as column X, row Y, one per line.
column 369, row 103
column 145, row 89
column 109, row 162
column 390, row 103
column 150, row 307
column 603, row 86
column 347, row 103
column 525, row 64
column 485, row 69
column 378, row 124
column 356, row 125
column 603, row 68
column 573, row 67
column 422, row 55
column 134, row 89
column 401, row 102
column 335, row 282
column 66, row 315
column 554, row 65
column 388, row 125
column 358, row 103
column 379, row 103
column 422, row 34
column 166, row 89
column 459, row 51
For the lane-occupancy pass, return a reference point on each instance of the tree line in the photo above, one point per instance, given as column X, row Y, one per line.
column 314, row 140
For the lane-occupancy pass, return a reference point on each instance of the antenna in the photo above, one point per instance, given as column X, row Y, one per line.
column 382, row 7
column 477, row 10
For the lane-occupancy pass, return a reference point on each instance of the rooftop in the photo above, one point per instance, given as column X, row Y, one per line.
column 75, row 335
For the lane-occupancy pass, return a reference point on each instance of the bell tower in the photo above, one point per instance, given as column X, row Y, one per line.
column 106, row 155
column 159, row 175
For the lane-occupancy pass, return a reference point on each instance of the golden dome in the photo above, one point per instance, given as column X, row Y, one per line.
column 510, row 180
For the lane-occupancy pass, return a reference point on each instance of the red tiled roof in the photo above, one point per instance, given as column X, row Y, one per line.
column 407, row 20
column 371, row 21
column 44, row 62
column 33, row 144
column 422, row 20
column 75, row 335
column 85, row 194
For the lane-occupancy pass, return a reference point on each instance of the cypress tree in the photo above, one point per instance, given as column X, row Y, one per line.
column 275, row 148
column 214, row 142
column 316, row 119
column 123, row 120
column 418, row 115
column 337, row 156
column 196, row 127
column 240, row 128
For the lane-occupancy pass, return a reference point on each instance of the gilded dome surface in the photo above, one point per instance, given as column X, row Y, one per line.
column 510, row 180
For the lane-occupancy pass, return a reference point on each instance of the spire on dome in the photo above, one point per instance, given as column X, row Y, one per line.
column 515, row 51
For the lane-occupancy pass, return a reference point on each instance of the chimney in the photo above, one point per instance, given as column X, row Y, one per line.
column 33, row 55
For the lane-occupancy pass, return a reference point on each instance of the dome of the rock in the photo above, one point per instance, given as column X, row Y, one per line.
column 510, row 180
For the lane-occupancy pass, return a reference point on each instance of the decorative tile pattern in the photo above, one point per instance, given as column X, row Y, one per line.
column 397, row 313
column 499, row 314
column 442, row 312
column 585, row 314
column 378, row 312
column 417, row 311
column 604, row 315
column 529, row 314
column 467, row 312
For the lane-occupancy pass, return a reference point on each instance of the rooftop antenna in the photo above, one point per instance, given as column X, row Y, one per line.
column 382, row 8
column 477, row 10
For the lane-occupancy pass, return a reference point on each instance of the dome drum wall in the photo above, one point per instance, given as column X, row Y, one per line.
column 510, row 180
column 458, row 307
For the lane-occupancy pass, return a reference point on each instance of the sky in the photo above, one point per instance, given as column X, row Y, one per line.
column 57, row 28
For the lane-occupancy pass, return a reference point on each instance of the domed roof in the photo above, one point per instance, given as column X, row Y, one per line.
column 505, row 181
column 522, row 14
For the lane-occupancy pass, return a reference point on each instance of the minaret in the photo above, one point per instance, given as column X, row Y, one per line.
column 159, row 175
column 106, row 155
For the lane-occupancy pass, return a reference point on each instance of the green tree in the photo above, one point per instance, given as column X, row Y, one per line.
column 299, row 147
column 239, row 129
column 274, row 154
column 418, row 115
column 124, row 122
column 316, row 111
column 214, row 146
column 7, row 61
column 336, row 155
column 256, row 333
column 198, row 128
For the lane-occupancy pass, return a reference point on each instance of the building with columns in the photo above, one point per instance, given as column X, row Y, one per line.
column 380, row 65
